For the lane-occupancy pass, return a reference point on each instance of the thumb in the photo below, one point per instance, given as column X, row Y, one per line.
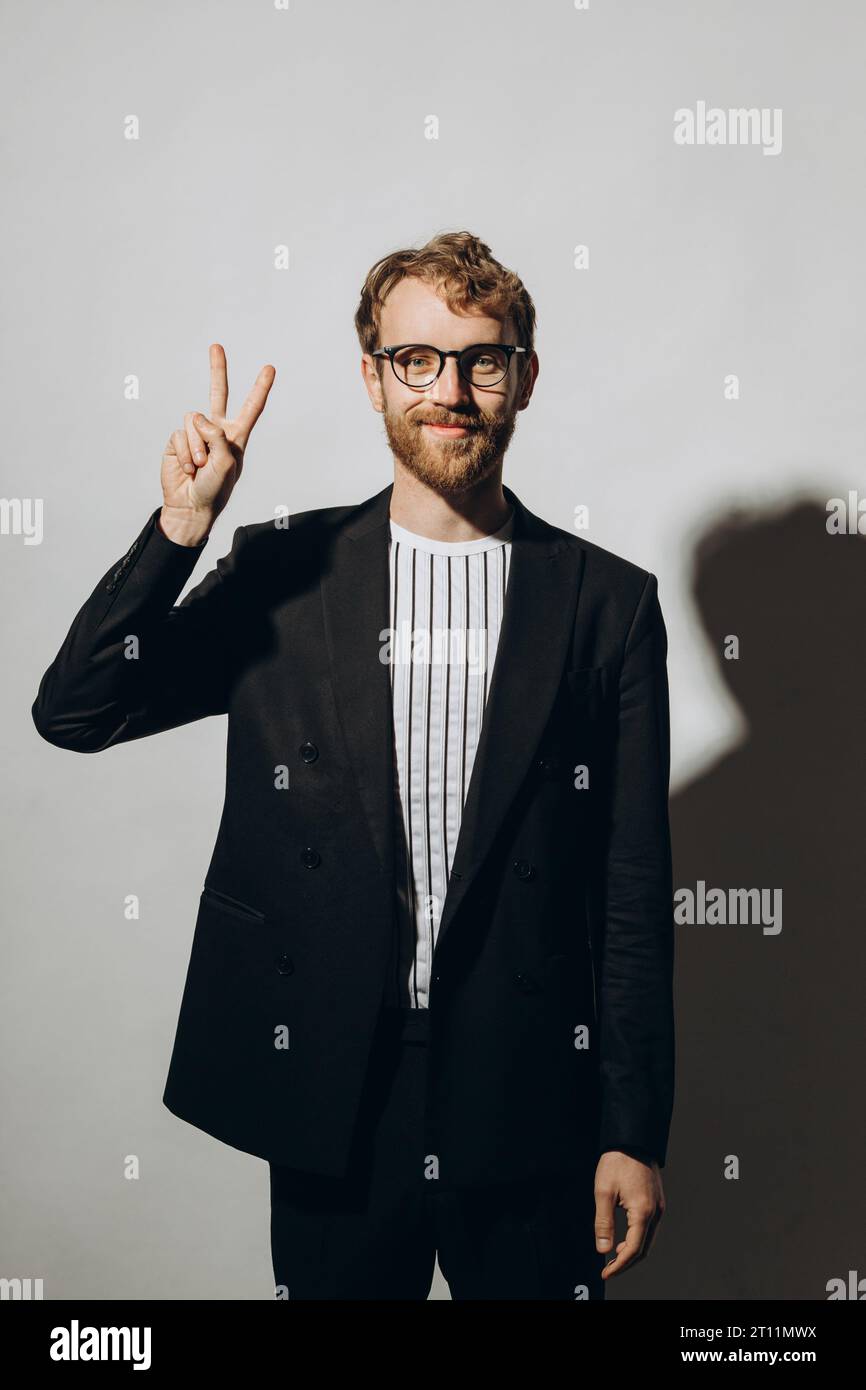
column 604, row 1220
column 215, row 438
column 207, row 429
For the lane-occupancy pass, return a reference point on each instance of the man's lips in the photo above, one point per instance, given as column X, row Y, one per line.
column 446, row 429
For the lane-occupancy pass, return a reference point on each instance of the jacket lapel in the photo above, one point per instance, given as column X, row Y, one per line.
column 537, row 623
column 356, row 599
column 540, row 603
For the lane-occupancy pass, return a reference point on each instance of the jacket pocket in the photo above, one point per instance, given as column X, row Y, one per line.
column 232, row 906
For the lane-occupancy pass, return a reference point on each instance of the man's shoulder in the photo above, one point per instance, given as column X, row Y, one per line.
column 298, row 539
column 298, row 524
column 294, row 546
column 611, row 586
column 599, row 564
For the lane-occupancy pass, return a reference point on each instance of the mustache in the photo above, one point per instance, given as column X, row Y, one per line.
column 467, row 421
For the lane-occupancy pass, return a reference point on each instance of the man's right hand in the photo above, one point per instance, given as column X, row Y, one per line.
column 203, row 461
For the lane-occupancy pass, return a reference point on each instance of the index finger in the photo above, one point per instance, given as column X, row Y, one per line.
column 219, row 382
column 254, row 403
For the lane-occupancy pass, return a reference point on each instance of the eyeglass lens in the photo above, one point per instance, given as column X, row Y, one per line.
column 418, row 365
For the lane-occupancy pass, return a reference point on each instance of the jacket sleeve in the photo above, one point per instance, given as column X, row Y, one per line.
column 635, row 997
column 132, row 664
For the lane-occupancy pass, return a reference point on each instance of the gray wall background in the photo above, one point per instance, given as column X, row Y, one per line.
column 306, row 127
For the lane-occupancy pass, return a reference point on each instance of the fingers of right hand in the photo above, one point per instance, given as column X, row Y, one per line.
column 216, row 440
column 219, row 382
column 254, row 403
column 196, row 443
column 178, row 445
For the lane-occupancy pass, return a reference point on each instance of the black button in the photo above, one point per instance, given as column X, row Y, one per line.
column 310, row 857
column 110, row 587
column 285, row 965
column 309, row 752
column 523, row 868
column 525, row 982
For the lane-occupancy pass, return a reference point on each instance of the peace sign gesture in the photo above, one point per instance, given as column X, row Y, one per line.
column 203, row 461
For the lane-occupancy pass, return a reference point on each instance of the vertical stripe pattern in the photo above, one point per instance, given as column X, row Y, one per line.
column 446, row 606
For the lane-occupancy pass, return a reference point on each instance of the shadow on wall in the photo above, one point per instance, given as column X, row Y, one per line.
column 771, row 1043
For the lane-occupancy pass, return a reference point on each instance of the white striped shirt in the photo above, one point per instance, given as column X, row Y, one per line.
column 447, row 602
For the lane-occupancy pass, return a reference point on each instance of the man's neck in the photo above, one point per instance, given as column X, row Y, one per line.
column 464, row 516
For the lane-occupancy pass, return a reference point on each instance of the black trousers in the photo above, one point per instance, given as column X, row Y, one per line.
column 375, row 1234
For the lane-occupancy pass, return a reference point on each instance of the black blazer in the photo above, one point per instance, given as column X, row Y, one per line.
column 557, row 927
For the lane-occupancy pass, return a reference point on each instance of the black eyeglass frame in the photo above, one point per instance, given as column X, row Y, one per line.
column 509, row 348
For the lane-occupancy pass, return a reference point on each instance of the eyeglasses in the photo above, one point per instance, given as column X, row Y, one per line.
column 417, row 365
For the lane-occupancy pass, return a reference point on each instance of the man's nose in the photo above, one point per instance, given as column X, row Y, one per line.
column 449, row 388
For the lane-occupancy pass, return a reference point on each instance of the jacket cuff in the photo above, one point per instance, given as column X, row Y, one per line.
column 159, row 565
column 642, row 1155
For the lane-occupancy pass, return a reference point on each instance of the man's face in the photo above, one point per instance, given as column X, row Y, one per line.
column 481, row 419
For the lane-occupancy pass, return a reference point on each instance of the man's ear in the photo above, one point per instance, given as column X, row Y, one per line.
column 371, row 373
column 527, row 380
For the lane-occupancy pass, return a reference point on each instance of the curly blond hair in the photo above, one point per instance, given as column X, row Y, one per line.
column 461, row 268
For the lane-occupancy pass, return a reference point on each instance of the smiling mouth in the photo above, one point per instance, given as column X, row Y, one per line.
column 446, row 429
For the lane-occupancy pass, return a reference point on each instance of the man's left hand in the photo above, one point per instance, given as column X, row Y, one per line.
column 637, row 1187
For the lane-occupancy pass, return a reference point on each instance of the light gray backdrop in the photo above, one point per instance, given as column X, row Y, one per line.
column 308, row 127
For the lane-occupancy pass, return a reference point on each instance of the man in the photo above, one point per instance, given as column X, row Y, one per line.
column 431, row 975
